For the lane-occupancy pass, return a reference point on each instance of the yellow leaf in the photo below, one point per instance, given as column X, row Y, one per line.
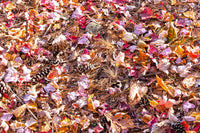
column 9, row 7
column 189, row 14
column 179, row 51
column 161, row 83
column 164, row 86
column 19, row 124
column 173, row 2
column 141, row 44
column 171, row 32
column 153, row 103
column 65, row 122
column 22, row 33
column 194, row 114
column 190, row 132
column 32, row 105
column 63, row 130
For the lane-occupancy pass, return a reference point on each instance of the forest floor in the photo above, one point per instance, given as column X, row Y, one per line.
column 100, row 66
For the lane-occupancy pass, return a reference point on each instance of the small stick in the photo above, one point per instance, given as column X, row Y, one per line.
column 47, row 29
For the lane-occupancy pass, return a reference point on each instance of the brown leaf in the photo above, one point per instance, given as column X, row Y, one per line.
column 3, row 106
column 146, row 118
column 20, row 111
column 137, row 91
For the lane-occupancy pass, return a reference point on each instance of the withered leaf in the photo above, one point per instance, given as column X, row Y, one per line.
column 137, row 91
column 20, row 111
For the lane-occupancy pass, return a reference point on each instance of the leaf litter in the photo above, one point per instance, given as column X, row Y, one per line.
column 99, row 66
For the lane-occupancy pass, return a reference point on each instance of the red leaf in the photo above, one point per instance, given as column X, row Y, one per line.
column 196, row 127
column 146, row 13
column 126, row 45
column 185, row 125
column 5, row 95
column 82, row 21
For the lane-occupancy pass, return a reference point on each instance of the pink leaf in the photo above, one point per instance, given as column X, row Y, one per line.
column 6, row 116
column 152, row 49
column 187, row 105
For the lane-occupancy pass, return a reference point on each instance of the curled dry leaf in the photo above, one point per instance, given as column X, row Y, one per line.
column 189, row 14
column 137, row 91
column 171, row 33
column 20, row 111
column 146, row 118
column 119, row 121
column 189, row 81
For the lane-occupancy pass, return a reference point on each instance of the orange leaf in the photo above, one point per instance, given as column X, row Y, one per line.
column 22, row 33
column 179, row 51
column 164, row 86
column 161, row 83
column 32, row 105
column 153, row 103
column 91, row 105
column 143, row 57
column 52, row 74
column 146, row 118
column 54, row 84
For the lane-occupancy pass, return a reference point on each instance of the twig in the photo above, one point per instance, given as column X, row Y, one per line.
column 12, row 37
column 16, row 25
column 47, row 30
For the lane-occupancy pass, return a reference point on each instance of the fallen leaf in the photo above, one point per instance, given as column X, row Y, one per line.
column 161, row 83
column 20, row 111
column 171, row 33
column 146, row 118
column 173, row 2
column 153, row 103
column 189, row 14
column 137, row 91
column 179, row 51
column 32, row 105
column 189, row 81
column 143, row 57
column 91, row 104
